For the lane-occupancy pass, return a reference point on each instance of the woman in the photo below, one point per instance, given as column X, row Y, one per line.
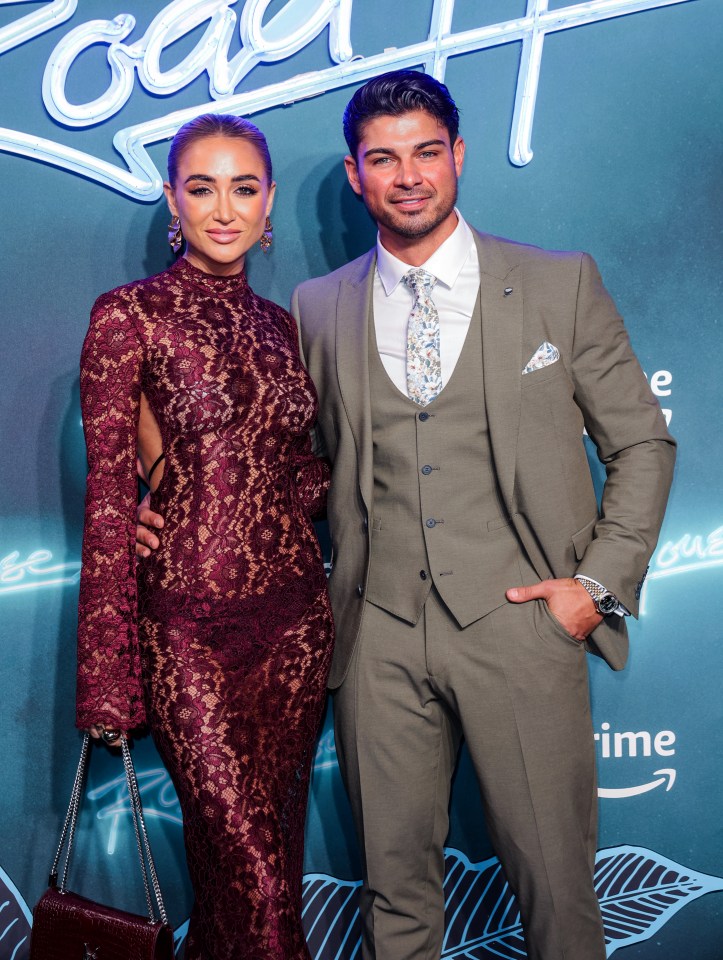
column 223, row 647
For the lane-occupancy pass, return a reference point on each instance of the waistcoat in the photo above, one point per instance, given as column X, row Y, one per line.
column 437, row 515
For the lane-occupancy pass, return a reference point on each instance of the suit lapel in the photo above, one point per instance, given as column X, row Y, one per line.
column 501, row 356
column 352, row 363
column 501, row 359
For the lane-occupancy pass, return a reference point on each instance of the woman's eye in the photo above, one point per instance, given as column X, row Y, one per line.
column 199, row 191
column 246, row 191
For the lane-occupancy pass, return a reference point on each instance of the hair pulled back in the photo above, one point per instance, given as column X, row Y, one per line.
column 217, row 125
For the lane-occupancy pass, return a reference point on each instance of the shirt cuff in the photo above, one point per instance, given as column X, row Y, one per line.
column 621, row 610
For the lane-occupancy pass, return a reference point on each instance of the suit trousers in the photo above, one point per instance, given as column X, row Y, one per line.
column 515, row 685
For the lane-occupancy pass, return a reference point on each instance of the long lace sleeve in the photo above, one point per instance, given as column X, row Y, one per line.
column 312, row 475
column 109, row 688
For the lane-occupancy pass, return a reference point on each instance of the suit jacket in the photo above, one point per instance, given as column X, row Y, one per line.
column 536, row 421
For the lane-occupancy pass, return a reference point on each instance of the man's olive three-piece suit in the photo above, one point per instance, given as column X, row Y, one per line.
column 434, row 512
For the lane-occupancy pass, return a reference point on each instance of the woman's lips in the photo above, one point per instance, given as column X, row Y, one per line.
column 224, row 236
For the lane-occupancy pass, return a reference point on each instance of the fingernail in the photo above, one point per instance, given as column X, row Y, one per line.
column 513, row 593
column 146, row 553
column 158, row 523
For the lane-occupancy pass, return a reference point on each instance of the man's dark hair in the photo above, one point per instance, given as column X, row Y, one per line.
column 395, row 93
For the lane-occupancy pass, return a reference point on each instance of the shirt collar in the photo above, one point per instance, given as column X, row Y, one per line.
column 445, row 263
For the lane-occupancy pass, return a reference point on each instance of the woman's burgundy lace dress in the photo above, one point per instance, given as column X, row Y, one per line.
column 224, row 644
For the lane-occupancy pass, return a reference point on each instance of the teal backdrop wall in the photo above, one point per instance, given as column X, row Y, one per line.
column 628, row 160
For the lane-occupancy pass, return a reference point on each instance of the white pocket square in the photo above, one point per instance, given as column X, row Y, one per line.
column 545, row 355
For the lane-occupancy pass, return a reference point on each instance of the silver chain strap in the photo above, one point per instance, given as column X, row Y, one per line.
column 71, row 817
column 139, row 821
column 139, row 827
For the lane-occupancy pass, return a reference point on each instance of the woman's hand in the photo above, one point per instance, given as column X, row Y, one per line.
column 146, row 540
column 110, row 736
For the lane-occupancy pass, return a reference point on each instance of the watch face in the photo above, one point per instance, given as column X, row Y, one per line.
column 607, row 604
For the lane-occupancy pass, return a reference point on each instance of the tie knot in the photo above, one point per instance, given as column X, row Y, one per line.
column 419, row 281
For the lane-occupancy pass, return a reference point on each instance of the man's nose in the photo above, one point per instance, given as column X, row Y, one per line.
column 407, row 173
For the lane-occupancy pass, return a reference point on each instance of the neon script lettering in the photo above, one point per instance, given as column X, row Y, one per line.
column 290, row 30
column 36, row 572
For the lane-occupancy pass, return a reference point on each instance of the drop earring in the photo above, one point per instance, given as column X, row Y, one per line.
column 175, row 237
column 267, row 237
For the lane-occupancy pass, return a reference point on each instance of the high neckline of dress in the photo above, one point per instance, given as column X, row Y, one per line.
column 210, row 282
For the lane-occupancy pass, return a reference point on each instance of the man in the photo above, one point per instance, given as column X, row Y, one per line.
column 456, row 372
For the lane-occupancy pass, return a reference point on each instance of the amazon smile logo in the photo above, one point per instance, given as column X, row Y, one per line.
column 291, row 29
column 627, row 744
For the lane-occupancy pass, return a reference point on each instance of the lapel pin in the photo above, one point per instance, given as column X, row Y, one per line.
column 507, row 291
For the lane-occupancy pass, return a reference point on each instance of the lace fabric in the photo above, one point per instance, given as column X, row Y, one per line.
column 223, row 641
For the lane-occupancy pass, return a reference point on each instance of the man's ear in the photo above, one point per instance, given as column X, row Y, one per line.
column 352, row 174
column 170, row 198
column 458, row 153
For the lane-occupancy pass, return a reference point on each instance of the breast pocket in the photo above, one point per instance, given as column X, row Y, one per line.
column 543, row 375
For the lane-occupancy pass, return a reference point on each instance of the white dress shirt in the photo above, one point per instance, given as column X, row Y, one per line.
column 456, row 267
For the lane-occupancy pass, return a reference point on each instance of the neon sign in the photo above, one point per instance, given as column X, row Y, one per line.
column 162, row 805
column 36, row 572
column 293, row 27
column 159, row 796
column 687, row 554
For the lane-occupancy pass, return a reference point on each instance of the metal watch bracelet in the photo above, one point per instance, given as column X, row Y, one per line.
column 605, row 602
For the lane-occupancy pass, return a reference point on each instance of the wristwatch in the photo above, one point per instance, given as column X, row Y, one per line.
column 605, row 602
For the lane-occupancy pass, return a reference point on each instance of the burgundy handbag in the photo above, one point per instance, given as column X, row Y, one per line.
column 67, row 926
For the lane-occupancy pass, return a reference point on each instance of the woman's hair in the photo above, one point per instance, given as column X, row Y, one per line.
column 396, row 93
column 217, row 125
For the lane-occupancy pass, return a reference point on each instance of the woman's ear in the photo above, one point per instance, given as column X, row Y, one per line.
column 270, row 199
column 170, row 198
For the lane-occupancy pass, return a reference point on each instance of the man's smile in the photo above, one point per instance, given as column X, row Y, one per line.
column 410, row 202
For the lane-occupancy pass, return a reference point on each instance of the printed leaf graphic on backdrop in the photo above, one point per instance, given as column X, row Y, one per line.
column 15, row 921
column 639, row 892
column 179, row 937
column 330, row 913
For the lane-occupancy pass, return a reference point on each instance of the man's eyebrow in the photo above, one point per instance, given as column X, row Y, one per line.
column 430, row 143
column 387, row 151
column 205, row 178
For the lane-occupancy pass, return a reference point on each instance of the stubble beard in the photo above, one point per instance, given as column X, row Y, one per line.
column 415, row 226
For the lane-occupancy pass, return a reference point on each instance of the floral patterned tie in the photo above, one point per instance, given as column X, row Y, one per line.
column 424, row 366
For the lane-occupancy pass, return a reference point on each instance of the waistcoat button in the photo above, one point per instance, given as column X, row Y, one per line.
column 431, row 523
column 423, row 416
column 426, row 470
column 360, row 590
column 422, row 574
